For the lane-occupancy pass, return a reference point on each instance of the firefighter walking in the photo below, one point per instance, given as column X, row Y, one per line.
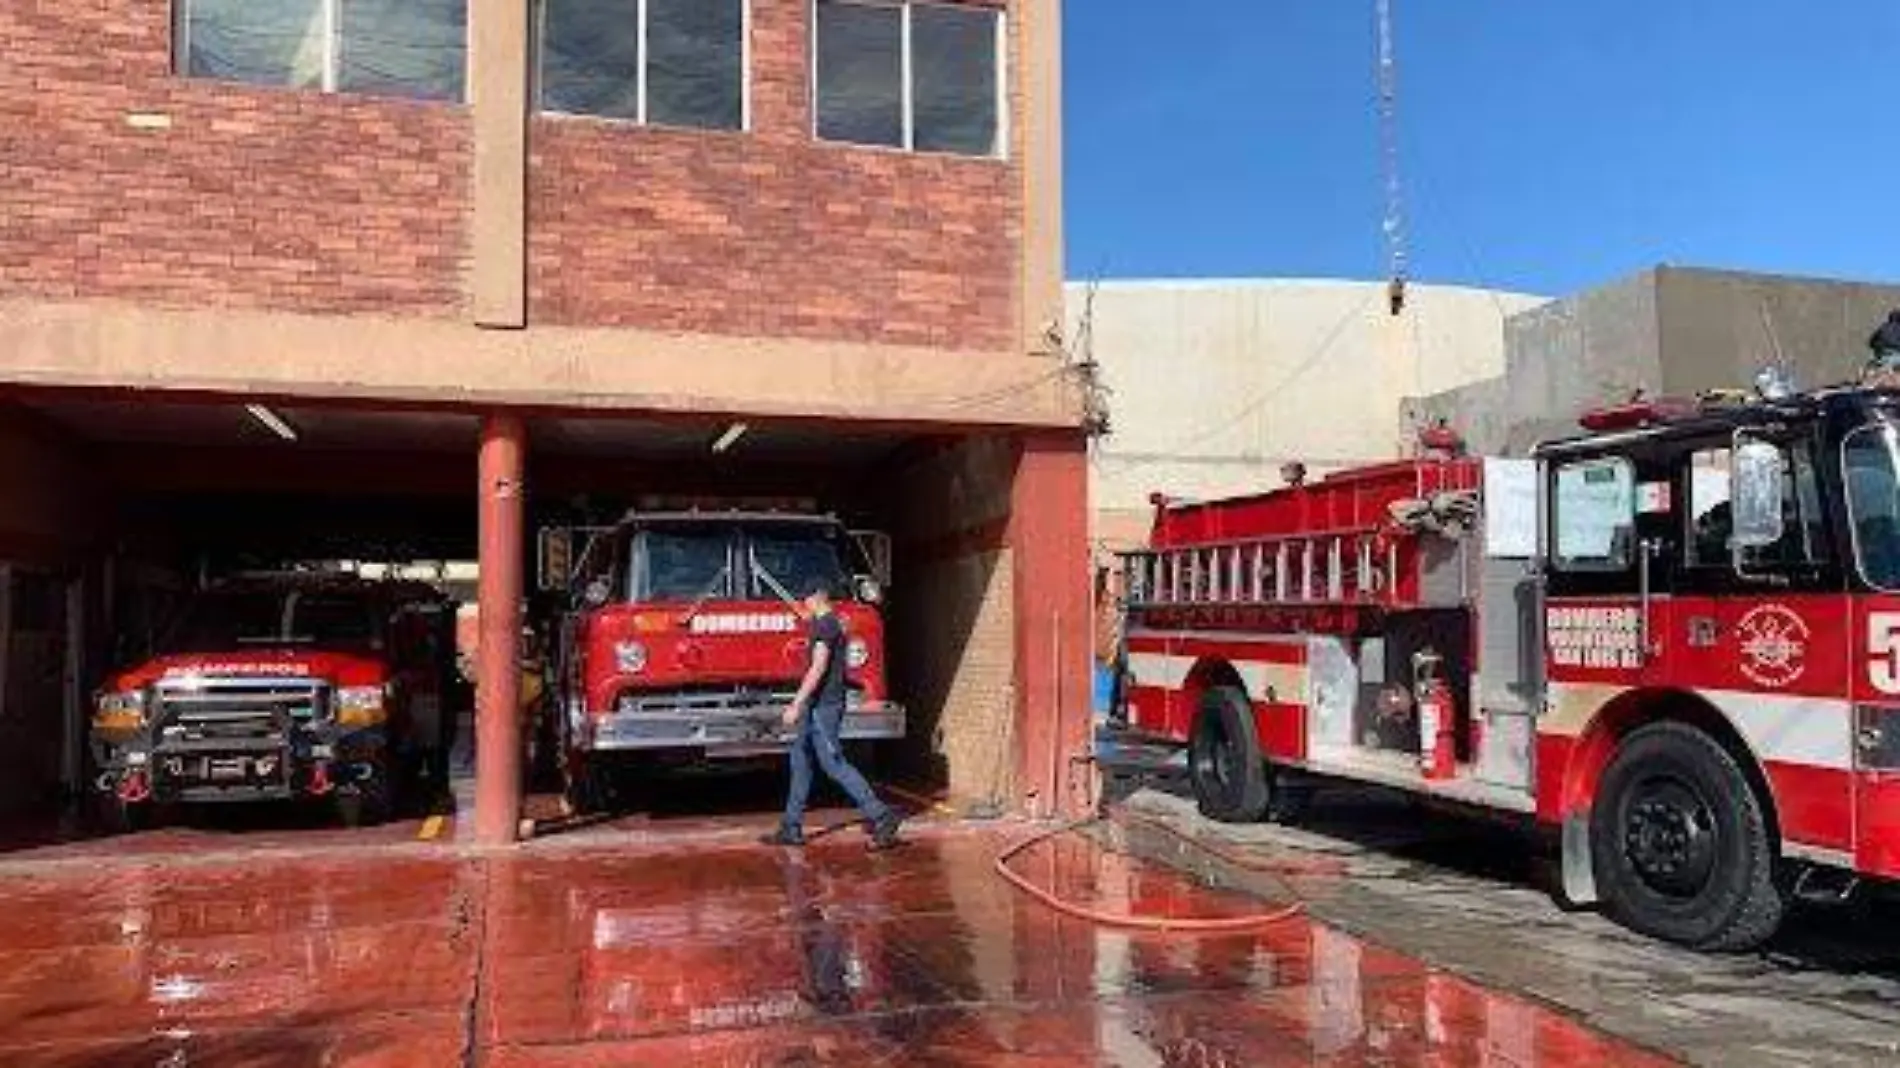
column 815, row 716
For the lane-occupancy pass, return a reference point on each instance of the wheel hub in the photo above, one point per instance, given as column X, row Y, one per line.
column 1669, row 837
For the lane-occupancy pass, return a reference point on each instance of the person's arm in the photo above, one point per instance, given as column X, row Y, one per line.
column 815, row 674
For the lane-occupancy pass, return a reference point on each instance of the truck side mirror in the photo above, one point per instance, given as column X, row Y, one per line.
column 876, row 549
column 1756, row 507
column 554, row 558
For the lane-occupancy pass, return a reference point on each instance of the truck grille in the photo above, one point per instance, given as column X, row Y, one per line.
column 236, row 710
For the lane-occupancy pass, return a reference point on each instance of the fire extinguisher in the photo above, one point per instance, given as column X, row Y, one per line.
column 1437, row 731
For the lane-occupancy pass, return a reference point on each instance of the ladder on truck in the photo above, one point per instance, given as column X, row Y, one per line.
column 1346, row 567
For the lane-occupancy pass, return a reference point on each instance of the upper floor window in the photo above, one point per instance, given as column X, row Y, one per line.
column 408, row 48
column 668, row 62
column 920, row 76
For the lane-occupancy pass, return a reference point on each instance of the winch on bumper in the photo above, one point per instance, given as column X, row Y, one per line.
column 723, row 723
column 240, row 739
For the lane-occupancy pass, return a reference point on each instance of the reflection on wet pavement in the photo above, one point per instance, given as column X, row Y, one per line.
column 715, row 954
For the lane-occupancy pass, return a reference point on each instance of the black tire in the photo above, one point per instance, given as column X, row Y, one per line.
column 1224, row 761
column 544, row 753
column 1680, row 844
column 589, row 790
column 369, row 807
column 372, row 803
column 1286, row 804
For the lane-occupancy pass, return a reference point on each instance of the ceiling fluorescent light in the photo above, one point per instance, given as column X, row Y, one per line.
column 272, row 421
column 730, row 437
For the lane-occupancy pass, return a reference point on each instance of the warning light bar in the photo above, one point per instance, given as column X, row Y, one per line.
column 1635, row 415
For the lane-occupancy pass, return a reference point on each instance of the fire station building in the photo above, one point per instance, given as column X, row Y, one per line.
column 377, row 278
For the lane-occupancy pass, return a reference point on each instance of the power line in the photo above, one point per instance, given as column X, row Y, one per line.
column 1311, row 360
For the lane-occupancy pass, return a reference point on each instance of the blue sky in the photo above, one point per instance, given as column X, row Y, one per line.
column 1549, row 145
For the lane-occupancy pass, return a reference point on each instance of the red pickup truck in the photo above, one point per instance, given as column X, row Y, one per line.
column 308, row 686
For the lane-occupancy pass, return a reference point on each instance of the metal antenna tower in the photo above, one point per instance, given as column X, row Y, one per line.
column 1395, row 238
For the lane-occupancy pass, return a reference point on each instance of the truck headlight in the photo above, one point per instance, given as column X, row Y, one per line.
column 361, row 706
column 630, row 658
column 857, row 653
column 120, row 711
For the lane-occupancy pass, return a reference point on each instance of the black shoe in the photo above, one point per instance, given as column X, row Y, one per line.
column 884, row 832
column 784, row 836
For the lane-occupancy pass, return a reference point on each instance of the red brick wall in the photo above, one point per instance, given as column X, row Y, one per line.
column 302, row 201
column 771, row 233
column 253, row 197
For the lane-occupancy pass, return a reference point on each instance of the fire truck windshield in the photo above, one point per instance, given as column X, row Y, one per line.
column 786, row 562
column 1871, row 459
column 235, row 618
column 757, row 561
column 682, row 563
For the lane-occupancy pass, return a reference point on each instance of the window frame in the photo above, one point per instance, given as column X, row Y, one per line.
column 328, row 81
column 639, row 579
column 537, row 56
column 1849, row 501
column 1609, row 566
column 907, row 90
column 1691, row 558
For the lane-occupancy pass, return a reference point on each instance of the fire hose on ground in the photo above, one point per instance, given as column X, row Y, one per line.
column 1127, row 921
column 1185, row 925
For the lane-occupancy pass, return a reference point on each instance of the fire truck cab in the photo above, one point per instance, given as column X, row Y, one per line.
column 1673, row 639
column 681, row 635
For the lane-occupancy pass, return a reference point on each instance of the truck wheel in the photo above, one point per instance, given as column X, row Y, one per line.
column 366, row 808
column 1680, row 845
column 587, row 790
column 369, row 805
column 1224, row 761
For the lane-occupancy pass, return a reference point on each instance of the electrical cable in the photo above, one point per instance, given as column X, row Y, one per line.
column 1311, row 360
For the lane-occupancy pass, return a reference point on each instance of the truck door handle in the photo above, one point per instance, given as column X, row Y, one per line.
column 1704, row 633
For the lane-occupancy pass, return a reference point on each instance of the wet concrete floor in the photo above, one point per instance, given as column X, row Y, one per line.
column 696, row 947
column 1473, row 897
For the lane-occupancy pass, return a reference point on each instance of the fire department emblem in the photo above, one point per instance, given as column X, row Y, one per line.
column 1773, row 644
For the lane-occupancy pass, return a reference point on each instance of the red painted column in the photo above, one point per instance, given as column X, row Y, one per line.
column 498, row 648
column 1049, row 542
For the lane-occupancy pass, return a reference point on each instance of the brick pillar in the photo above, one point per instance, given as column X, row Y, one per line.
column 1048, row 536
column 498, row 652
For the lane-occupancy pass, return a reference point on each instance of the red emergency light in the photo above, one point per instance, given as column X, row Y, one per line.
column 1634, row 415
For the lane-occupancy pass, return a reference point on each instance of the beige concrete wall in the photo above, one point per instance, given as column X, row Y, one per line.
column 114, row 345
column 1717, row 328
column 1215, row 384
column 1669, row 331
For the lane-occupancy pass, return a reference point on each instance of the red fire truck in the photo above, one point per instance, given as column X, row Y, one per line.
column 302, row 685
column 1674, row 639
column 679, row 635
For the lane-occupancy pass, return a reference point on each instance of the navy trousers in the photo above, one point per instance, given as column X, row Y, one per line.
column 818, row 739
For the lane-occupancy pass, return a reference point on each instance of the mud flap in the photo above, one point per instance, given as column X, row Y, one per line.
column 1579, row 889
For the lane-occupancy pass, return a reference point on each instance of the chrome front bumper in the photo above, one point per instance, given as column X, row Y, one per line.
column 728, row 727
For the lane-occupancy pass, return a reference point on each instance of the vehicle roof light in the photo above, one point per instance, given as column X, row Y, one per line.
column 1634, row 414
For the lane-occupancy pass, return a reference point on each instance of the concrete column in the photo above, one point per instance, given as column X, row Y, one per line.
column 1039, row 133
column 1048, row 538
column 498, row 83
column 498, row 650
